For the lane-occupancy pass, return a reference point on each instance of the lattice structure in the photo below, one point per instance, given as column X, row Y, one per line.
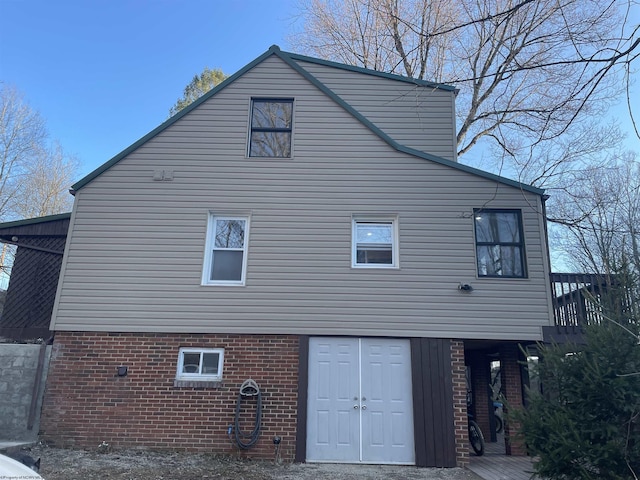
column 34, row 276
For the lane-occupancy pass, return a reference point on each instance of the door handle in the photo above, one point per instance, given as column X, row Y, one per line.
column 356, row 407
column 364, row 407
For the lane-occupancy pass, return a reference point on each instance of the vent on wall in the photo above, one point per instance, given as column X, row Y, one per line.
column 162, row 175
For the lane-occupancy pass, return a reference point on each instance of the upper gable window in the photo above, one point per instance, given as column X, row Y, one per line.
column 375, row 243
column 271, row 125
column 499, row 243
column 226, row 254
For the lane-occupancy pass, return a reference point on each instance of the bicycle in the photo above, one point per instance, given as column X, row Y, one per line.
column 497, row 414
column 475, row 434
column 475, row 437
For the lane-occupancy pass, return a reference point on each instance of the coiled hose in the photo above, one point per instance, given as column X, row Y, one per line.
column 249, row 388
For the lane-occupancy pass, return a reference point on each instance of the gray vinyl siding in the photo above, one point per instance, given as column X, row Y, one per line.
column 413, row 115
column 134, row 255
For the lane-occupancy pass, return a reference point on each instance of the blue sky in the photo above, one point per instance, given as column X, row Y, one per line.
column 103, row 73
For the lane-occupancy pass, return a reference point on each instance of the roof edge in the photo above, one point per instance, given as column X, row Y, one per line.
column 290, row 60
column 32, row 221
column 368, row 71
column 167, row 123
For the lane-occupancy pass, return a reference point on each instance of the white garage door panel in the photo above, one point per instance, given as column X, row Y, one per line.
column 332, row 431
column 359, row 401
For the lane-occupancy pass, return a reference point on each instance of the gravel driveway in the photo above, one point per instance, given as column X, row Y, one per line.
column 63, row 464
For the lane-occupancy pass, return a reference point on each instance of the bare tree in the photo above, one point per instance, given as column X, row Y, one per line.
column 602, row 215
column 528, row 70
column 45, row 186
column 34, row 175
column 22, row 132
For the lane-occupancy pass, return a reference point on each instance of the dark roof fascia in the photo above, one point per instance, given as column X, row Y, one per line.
column 290, row 59
column 81, row 183
column 286, row 57
column 353, row 68
column 33, row 221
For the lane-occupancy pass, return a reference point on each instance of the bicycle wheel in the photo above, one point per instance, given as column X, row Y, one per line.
column 476, row 438
column 498, row 424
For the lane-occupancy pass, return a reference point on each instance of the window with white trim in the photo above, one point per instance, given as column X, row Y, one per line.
column 271, row 127
column 202, row 364
column 375, row 243
column 226, row 252
column 499, row 243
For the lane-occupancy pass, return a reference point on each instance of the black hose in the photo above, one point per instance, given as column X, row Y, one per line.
column 249, row 388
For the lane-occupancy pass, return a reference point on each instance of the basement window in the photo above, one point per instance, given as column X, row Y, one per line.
column 198, row 365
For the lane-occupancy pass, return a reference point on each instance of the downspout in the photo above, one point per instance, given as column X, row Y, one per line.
column 550, row 287
column 35, row 391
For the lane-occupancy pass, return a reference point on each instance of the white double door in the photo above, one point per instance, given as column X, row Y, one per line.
column 359, row 401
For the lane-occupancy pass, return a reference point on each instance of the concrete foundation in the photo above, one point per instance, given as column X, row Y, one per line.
column 18, row 371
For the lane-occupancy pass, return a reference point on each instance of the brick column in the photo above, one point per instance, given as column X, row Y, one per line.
column 510, row 357
column 458, row 372
column 481, row 379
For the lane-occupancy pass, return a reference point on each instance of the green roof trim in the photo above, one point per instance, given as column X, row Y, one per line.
column 368, row 71
column 82, row 182
column 291, row 59
column 32, row 221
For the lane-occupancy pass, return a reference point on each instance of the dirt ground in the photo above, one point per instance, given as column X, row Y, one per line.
column 63, row 464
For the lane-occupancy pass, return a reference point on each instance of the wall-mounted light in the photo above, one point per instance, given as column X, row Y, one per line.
column 465, row 287
column 122, row 370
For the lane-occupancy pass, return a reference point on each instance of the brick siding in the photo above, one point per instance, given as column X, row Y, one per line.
column 512, row 387
column 460, row 402
column 86, row 403
column 481, row 379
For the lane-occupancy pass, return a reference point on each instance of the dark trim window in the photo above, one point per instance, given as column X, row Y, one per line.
column 271, row 127
column 499, row 243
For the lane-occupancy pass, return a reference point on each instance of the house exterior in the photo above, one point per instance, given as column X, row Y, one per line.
column 305, row 225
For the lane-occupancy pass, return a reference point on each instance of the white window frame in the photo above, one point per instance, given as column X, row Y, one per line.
column 180, row 375
column 383, row 220
column 209, row 250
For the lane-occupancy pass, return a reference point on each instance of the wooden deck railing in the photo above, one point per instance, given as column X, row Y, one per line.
column 577, row 299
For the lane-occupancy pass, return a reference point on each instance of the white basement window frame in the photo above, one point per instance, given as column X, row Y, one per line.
column 225, row 259
column 200, row 364
column 374, row 242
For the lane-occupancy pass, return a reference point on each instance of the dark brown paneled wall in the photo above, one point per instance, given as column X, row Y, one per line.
column 434, row 422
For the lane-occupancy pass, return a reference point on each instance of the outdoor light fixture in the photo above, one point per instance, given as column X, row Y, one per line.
column 465, row 287
column 122, row 371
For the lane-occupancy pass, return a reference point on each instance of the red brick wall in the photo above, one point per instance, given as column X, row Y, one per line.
column 480, row 380
column 460, row 402
column 512, row 388
column 86, row 403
